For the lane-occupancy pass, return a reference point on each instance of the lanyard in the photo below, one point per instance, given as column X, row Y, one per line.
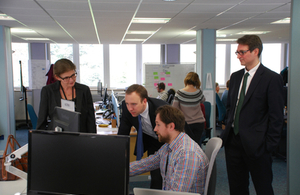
column 65, row 94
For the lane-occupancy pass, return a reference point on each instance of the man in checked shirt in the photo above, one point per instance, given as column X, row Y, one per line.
column 182, row 162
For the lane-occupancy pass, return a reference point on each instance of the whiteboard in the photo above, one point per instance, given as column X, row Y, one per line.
column 172, row 75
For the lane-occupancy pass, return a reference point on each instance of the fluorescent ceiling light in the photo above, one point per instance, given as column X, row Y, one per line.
column 190, row 32
column 21, row 30
column 134, row 39
column 221, row 35
column 226, row 39
column 36, row 39
column 282, row 21
column 141, row 32
column 151, row 20
column 253, row 32
column 5, row 17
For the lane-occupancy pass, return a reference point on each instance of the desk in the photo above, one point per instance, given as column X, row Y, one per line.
column 13, row 187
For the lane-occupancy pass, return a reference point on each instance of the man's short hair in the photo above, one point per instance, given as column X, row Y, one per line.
column 161, row 86
column 169, row 114
column 139, row 89
column 253, row 42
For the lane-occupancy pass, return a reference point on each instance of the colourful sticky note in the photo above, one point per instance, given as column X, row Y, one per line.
column 162, row 73
column 162, row 78
column 155, row 84
column 170, row 84
column 155, row 73
column 156, row 77
column 168, row 72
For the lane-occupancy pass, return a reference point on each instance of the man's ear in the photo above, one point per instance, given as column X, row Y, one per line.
column 171, row 126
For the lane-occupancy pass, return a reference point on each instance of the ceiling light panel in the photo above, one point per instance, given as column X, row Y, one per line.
column 151, row 20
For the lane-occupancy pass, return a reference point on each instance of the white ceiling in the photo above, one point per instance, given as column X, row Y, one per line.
column 70, row 21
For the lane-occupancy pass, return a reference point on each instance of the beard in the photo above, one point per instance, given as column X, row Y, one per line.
column 164, row 139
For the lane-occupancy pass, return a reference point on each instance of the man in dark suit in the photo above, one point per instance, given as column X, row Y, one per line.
column 254, row 122
column 138, row 103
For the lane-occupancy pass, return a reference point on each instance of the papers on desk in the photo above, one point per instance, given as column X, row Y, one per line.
column 99, row 120
column 101, row 111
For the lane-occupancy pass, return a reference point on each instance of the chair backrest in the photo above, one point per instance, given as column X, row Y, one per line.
column 146, row 191
column 212, row 148
column 221, row 108
column 32, row 115
column 207, row 106
column 224, row 97
column 170, row 98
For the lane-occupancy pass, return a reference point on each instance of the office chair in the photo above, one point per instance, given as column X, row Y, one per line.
column 224, row 97
column 32, row 116
column 221, row 110
column 212, row 148
column 207, row 131
column 170, row 98
column 147, row 191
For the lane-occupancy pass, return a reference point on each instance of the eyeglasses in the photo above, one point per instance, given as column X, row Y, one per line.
column 241, row 52
column 66, row 79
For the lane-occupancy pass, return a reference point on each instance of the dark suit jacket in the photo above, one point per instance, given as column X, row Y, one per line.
column 50, row 97
column 261, row 116
column 127, row 121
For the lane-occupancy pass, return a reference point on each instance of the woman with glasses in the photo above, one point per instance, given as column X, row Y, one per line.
column 66, row 88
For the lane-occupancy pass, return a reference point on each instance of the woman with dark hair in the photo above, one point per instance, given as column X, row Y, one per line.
column 66, row 88
column 188, row 100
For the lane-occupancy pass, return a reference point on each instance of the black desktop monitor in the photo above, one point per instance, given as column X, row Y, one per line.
column 99, row 88
column 105, row 96
column 66, row 120
column 72, row 163
column 115, row 106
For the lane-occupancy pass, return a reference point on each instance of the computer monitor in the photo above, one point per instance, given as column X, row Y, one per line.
column 115, row 106
column 105, row 96
column 99, row 88
column 66, row 120
column 77, row 163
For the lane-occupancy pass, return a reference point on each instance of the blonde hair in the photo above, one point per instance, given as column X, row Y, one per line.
column 192, row 78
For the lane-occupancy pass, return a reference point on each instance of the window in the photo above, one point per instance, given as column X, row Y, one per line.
column 151, row 53
column 187, row 53
column 220, row 63
column 91, row 64
column 122, row 65
column 59, row 51
column 235, row 64
column 20, row 53
column 271, row 56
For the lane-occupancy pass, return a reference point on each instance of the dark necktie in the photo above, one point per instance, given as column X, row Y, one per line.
column 239, row 106
column 167, row 162
column 140, row 145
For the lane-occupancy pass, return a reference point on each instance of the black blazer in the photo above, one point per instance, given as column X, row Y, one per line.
column 127, row 121
column 261, row 116
column 50, row 97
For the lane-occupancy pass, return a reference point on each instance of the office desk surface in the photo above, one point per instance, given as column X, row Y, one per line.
column 13, row 187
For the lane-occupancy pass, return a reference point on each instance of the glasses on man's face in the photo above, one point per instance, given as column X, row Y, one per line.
column 66, row 79
column 241, row 52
